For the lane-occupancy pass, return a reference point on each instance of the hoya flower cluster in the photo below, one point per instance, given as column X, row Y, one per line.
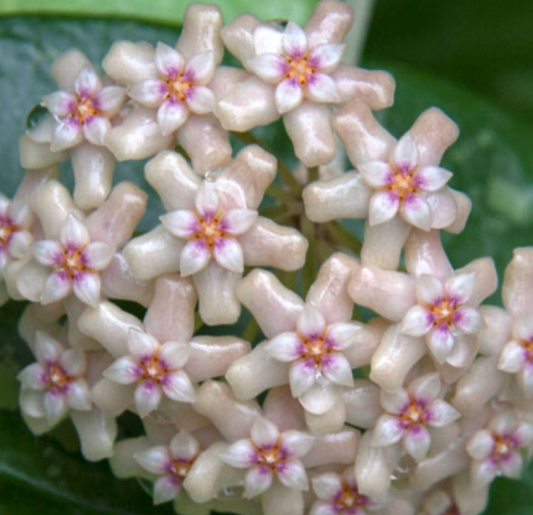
column 413, row 412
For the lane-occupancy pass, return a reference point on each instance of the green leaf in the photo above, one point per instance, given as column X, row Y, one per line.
column 164, row 12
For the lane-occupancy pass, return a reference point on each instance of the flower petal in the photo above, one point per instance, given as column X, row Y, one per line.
column 141, row 345
column 523, row 327
column 110, row 100
column 296, row 444
column 426, row 388
column 468, row 320
column 431, row 178
column 320, row 398
column 480, row 445
column 460, row 287
column 182, row 223
column 341, row 335
column 96, row 129
column 265, row 434
column 97, row 255
column 34, row 377
column 337, row 369
column 417, row 441
column 55, row 406
column 123, row 371
column 383, row 207
column 154, row 460
column 174, row 355
column 47, row 349
column 418, row 321
column 269, row 67
column 150, row 93
column 19, row 246
column 48, row 252
column 184, row 446
column 482, row 473
column 288, row 95
column 441, row 341
column 302, row 375
column 178, row 387
column 327, row 486
column 324, row 508
column 78, row 395
column 168, row 62
column 322, row 88
column 257, row 481
column 67, row 134
column 171, row 115
column 395, row 401
column 87, row 287
column 291, row 473
column 285, row 347
column 524, row 434
column 294, row 41
column 241, row 454
column 200, row 68
column 327, row 57
column 441, row 414
column 511, row 466
column 73, row 233
column 417, row 212
column 388, row 430
column 147, row 397
column 228, row 254
column 166, row 489
column 405, row 154
column 429, row 290
column 60, row 103
column 201, row 100
column 376, row 174
column 56, row 287
column 513, row 358
column 87, row 83
column 207, row 201
column 311, row 323
column 73, row 362
column 238, row 221
column 525, row 379
column 194, row 257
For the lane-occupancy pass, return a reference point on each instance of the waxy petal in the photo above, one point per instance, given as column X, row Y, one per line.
column 229, row 255
column 150, row 93
column 47, row 349
column 194, row 257
column 311, row 323
column 73, row 362
column 166, row 489
column 326, row 58
column 110, row 100
column 142, row 345
column 525, row 379
column 322, row 88
column 405, row 154
column 123, row 371
column 87, row 84
column 296, row 444
column 285, row 347
column 523, row 327
column 56, row 287
column 337, row 369
column 154, row 460
column 34, row 376
column 291, row 473
column 19, row 246
column 483, row 473
column 73, row 233
column 207, row 201
column 257, row 481
column 201, row 100
column 327, row 508
column 383, row 207
column 327, row 486
column 388, row 430
column 269, row 67
column 86, row 287
column 460, row 287
column 524, row 434
column 468, row 320
column 431, row 178
column 78, row 395
column 60, row 103
column 512, row 465
column 238, row 221
column 184, row 446
column 441, row 342
column 171, row 115
column 200, row 68
column 341, row 336
column 513, row 358
column 294, row 41
column 147, row 397
column 418, row 321
column 68, row 134
column 96, row 129
column 182, row 224
column 395, row 401
column 265, row 434
column 241, row 454
column 178, row 387
column 416, row 211
column 97, row 255
column 168, row 61
column 417, row 442
column 441, row 414
column 480, row 445
column 426, row 388
column 302, row 376
column 55, row 406
column 376, row 174
column 288, row 95
column 429, row 290
column 174, row 355
column 48, row 252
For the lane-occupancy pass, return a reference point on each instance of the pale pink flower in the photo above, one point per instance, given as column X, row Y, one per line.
column 443, row 312
column 338, row 494
column 57, row 381
column 315, row 353
column 76, row 262
column 439, row 502
column 84, row 114
column 212, row 230
column 156, row 370
column 517, row 355
column 15, row 235
column 170, row 464
column 267, row 454
column 496, row 450
column 410, row 412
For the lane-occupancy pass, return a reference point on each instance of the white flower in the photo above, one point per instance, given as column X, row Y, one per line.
column 268, row 454
column 157, row 370
column 76, row 263
column 57, row 379
column 15, row 237
column 86, row 113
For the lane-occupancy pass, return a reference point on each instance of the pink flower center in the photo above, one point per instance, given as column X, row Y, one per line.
column 58, row 378
column 7, row 229
column 153, row 368
column 402, row 182
column 300, row 70
column 443, row 312
column 349, row 497
column 72, row 262
column 527, row 345
column 211, row 229
column 414, row 414
column 316, row 347
column 84, row 110
column 503, row 445
column 179, row 87
column 180, row 467
column 270, row 456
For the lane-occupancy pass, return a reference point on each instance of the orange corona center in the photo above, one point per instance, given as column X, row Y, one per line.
column 315, row 348
column 210, row 230
column 413, row 415
column 181, row 468
column 85, row 109
column 402, row 183
column 528, row 347
column 502, row 445
column 72, row 262
column 271, row 456
column 152, row 368
column 179, row 87
column 6, row 231
column 299, row 69
column 443, row 313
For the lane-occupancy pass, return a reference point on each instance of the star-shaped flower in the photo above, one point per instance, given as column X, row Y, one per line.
column 15, row 234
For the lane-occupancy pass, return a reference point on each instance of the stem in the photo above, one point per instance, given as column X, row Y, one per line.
column 284, row 172
column 344, row 237
column 250, row 331
column 356, row 39
column 311, row 264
